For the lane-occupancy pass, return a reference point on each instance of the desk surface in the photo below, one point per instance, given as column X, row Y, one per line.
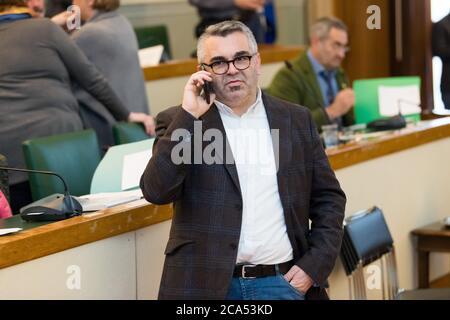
column 356, row 152
column 54, row 237
column 437, row 229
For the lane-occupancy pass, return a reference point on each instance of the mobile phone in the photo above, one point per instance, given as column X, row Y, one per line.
column 207, row 90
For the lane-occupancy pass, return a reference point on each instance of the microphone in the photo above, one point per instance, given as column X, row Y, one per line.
column 51, row 208
column 392, row 123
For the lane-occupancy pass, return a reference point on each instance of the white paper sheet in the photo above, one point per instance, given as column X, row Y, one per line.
column 150, row 56
column 99, row 201
column 133, row 167
column 9, row 230
column 394, row 99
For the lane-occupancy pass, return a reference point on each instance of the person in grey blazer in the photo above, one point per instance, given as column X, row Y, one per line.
column 109, row 42
column 246, row 173
column 38, row 64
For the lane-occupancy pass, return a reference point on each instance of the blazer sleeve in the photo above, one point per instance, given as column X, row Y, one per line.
column 86, row 74
column 163, row 178
column 326, row 212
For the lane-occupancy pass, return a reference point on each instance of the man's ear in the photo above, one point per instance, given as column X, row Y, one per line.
column 258, row 64
column 91, row 3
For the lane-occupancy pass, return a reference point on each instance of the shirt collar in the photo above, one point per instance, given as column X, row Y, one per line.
column 226, row 110
column 15, row 13
column 317, row 67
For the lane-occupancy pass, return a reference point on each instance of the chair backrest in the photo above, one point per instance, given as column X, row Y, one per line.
column 366, row 239
column 74, row 156
column 127, row 132
column 4, row 185
column 150, row 36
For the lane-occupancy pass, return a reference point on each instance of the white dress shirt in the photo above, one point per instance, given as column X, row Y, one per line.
column 263, row 239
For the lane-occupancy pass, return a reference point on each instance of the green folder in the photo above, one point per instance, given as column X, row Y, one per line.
column 366, row 92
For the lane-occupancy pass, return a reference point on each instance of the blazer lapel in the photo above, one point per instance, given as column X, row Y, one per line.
column 211, row 120
column 280, row 119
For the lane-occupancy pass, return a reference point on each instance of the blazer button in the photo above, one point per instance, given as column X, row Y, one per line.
column 233, row 246
column 238, row 206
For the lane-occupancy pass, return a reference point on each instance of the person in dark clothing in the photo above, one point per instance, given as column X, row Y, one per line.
column 441, row 48
column 246, row 11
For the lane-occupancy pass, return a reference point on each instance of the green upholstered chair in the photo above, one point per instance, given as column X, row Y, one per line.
column 153, row 35
column 127, row 132
column 4, row 186
column 74, row 156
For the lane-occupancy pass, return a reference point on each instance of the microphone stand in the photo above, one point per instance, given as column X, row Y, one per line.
column 49, row 208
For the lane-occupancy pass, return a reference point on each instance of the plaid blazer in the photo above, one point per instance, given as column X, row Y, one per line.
column 202, row 248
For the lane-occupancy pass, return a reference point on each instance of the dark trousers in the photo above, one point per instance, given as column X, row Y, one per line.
column 446, row 99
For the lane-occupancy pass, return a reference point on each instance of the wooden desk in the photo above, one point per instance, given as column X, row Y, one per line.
column 393, row 142
column 434, row 237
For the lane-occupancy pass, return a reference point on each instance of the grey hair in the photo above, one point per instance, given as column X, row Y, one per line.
column 322, row 27
column 222, row 29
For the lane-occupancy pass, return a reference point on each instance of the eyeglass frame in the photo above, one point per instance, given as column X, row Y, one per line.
column 249, row 56
column 337, row 46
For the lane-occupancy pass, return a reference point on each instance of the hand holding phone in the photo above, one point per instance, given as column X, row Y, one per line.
column 198, row 93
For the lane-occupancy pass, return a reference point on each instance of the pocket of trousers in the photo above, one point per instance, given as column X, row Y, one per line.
column 291, row 286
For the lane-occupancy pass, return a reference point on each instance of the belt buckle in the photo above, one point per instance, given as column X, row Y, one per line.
column 243, row 271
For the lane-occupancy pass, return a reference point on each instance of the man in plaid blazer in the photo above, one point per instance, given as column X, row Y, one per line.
column 246, row 173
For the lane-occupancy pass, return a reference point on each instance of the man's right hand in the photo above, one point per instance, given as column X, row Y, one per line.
column 193, row 102
column 343, row 102
column 249, row 4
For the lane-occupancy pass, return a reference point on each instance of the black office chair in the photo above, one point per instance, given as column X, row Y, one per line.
column 367, row 239
column 127, row 132
column 73, row 155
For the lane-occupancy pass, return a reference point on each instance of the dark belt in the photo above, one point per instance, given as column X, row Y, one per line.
column 250, row 271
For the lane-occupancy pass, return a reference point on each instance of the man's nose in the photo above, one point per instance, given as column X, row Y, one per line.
column 232, row 69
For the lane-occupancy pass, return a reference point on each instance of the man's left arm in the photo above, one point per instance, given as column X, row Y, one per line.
column 327, row 208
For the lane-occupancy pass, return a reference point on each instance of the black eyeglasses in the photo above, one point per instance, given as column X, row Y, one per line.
column 222, row 67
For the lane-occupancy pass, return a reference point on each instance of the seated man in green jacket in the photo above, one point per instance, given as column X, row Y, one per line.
column 316, row 80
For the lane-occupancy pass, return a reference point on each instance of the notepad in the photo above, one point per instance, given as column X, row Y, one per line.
column 100, row 201
column 133, row 167
column 150, row 56
column 9, row 231
column 404, row 99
